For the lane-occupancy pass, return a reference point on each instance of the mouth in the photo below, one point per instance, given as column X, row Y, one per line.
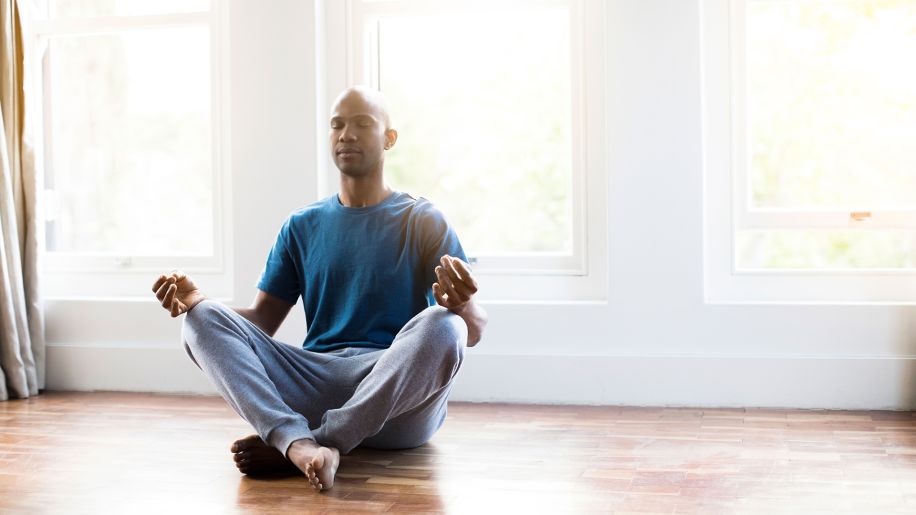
column 348, row 152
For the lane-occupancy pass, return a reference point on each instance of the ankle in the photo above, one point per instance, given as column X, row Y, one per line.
column 301, row 445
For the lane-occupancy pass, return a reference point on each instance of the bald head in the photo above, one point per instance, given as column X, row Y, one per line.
column 360, row 132
column 372, row 99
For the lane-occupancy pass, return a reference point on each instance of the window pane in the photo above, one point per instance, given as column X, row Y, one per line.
column 832, row 103
column 826, row 249
column 83, row 8
column 482, row 105
column 129, row 143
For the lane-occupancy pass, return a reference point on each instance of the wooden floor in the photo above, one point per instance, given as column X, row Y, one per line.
column 141, row 453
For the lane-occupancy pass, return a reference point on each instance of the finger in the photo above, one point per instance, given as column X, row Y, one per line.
column 163, row 288
column 455, row 293
column 445, row 281
column 465, row 270
column 458, row 281
column 169, row 296
column 176, row 308
column 450, row 268
column 440, row 298
column 463, row 292
column 159, row 281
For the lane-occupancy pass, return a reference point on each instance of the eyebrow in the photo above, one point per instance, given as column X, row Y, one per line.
column 357, row 115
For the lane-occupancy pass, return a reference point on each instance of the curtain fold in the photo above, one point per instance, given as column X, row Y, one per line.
column 22, row 344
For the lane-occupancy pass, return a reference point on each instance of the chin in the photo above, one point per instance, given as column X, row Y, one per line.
column 359, row 170
column 354, row 172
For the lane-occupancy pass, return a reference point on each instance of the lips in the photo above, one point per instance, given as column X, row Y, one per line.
column 348, row 151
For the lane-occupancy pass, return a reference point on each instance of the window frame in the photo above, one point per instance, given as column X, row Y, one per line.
column 727, row 195
column 107, row 274
column 582, row 275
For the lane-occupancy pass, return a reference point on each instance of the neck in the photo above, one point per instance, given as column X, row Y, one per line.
column 362, row 191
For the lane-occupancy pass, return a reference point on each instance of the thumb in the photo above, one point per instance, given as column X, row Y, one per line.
column 440, row 298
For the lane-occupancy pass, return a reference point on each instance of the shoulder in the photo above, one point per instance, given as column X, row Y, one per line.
column 302, row 221
column 309, row 212
column 427, row 219
column 423, row 210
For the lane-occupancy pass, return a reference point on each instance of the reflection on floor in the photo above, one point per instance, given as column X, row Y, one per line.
column 64, row 452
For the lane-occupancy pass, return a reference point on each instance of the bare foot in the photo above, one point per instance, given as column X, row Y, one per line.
column 318, row 463
column 253, row 456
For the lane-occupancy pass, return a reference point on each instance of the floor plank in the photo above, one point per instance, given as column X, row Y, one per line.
column 104, row 452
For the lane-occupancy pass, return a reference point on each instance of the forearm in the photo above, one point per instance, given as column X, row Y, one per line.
column 253, row 317
column 475, row 317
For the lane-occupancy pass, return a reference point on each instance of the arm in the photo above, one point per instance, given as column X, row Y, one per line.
column 266, row 312
column 455, row 290
column 178, row 294
column 476, row 319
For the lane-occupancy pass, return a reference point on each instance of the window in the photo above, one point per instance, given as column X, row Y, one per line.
column 496, row 104
column 810, row 115
column 131, row 143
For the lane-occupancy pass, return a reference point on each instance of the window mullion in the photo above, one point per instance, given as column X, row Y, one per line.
column 763, row 219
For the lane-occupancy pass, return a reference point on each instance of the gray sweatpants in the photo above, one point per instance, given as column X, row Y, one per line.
column 390, row 399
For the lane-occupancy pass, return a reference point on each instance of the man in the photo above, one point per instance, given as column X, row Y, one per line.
column 389, row 302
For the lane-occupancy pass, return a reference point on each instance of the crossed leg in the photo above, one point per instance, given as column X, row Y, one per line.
column 391, row 398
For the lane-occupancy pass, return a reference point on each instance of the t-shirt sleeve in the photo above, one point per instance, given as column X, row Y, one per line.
column 280, row 277
column 439, row 238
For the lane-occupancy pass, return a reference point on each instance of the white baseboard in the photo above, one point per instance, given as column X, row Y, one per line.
column 85, row 367
column 698, row 381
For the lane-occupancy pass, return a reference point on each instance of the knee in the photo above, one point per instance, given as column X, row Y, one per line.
column 203, row 322
column 443, row 333
column 205, row 310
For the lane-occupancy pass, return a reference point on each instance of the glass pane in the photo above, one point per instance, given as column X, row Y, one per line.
column 826, row 249
column 482, row 105
column 84, row 8
column 832, row 103
column 130, row 143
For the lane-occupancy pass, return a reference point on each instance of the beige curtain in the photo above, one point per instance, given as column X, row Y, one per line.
column 22, row 346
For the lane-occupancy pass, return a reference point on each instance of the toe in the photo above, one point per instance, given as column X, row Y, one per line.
column 240, row 456
column 244, row 443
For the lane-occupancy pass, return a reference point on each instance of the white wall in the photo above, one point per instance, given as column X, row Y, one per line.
column 654, row 342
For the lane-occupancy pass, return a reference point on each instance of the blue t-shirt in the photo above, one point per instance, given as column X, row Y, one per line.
column 362, row 272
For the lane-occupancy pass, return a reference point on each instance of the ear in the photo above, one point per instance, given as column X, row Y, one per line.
column 391, row 137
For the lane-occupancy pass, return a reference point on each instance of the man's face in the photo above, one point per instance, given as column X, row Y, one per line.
column 357, row 135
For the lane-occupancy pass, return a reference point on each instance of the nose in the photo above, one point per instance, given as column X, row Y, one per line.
column 346, row 134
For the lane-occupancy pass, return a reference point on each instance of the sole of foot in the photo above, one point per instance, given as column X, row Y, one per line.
column 319, row 464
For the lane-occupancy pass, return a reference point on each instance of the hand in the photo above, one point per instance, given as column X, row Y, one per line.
column 177, row 293
column 455, row 285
